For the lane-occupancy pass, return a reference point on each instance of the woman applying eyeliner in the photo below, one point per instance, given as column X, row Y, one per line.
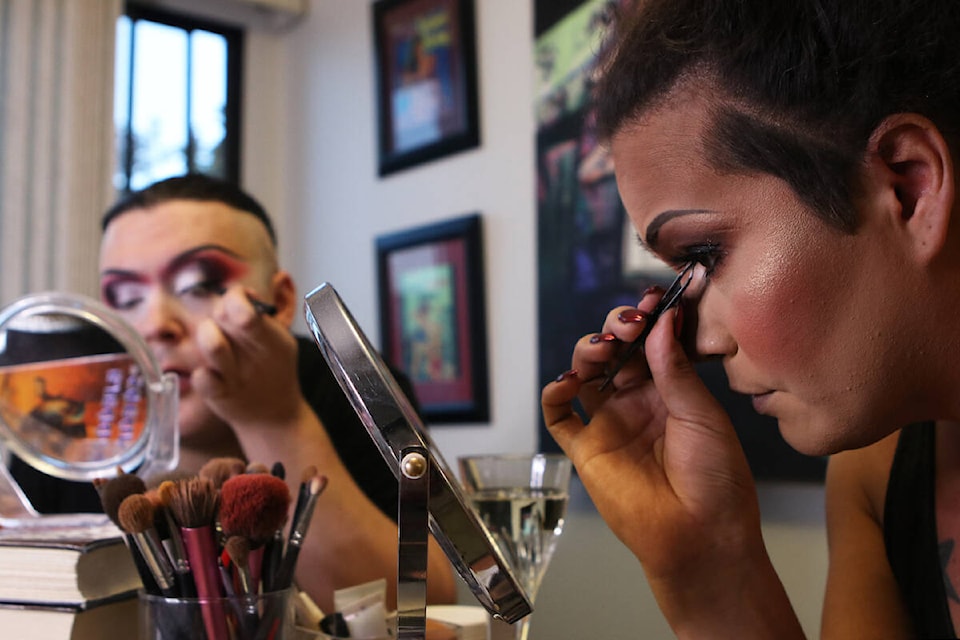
column 802, row 157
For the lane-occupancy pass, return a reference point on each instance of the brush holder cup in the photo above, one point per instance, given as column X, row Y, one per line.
column 265, row 616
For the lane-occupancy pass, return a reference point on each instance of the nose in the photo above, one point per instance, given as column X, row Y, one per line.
column 160, row 319
column 705, row 334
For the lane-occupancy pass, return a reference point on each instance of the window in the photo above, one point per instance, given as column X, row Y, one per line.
column 177, row 94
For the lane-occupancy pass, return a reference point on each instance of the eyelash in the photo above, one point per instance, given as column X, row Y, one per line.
column 709, row 255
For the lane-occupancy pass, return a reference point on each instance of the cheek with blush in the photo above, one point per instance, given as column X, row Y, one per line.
column 780, row 322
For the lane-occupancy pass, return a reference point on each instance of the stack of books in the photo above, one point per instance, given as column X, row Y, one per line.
column 67, row 583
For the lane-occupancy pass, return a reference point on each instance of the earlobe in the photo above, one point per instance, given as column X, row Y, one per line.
column 285, row 297
column 918, row 173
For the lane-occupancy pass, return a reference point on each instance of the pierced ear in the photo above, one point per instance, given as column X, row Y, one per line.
column 918, row 169
column 284, row 297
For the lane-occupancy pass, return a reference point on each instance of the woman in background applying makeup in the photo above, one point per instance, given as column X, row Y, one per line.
column 183, row 261
column 804, row 155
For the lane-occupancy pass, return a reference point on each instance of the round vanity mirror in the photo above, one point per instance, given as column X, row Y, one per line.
column 80, row 393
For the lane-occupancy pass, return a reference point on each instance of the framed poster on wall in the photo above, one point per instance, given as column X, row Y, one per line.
column 432, row 316
column 426, row 80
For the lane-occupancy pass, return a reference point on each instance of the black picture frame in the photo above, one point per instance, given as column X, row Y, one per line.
column 433, row 316
column 426, row 80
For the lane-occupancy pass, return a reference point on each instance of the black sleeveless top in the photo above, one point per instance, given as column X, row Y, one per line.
column 910, row 532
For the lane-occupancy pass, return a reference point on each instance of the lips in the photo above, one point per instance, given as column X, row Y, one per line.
column 761, row 402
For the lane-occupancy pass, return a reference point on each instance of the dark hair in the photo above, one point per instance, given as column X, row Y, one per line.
column 192, row 186
column 802, row 83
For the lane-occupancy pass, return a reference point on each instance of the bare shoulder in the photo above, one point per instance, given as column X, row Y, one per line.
column 862, row 598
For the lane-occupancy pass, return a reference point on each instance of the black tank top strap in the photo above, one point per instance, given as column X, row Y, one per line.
column 910, row 531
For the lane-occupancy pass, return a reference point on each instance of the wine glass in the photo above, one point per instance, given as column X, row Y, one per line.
column 522, row 499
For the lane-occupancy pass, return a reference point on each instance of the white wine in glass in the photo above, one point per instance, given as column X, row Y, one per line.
column 522, row 499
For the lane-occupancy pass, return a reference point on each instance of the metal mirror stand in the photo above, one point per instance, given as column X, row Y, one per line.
column 413, row 522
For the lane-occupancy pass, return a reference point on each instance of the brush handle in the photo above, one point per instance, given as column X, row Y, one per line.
column 284, row 575
column 156, row 560
column 146, row 576
column 202, row 555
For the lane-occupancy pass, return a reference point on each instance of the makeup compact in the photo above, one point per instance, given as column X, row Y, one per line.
column 81, row 396
column 429, row 492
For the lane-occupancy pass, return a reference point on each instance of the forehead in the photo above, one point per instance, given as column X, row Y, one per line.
column 661, row 153
column 141, row 239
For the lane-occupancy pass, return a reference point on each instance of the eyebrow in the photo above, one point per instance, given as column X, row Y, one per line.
column 178, row 261
column 653, row 229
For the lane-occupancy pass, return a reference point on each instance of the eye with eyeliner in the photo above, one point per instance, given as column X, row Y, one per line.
column 707, row 255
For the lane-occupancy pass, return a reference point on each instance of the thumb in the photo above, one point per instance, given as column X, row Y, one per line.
column 678, row 383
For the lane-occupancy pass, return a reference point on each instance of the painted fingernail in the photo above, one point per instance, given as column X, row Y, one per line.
column 631, row 315
column 572, row 373
column 602, row 337
column 652, row 289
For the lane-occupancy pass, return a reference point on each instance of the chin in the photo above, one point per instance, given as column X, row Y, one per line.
column 814, row 436
column 195, row 420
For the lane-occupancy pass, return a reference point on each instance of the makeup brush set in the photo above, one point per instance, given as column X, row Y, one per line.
column 216, row 538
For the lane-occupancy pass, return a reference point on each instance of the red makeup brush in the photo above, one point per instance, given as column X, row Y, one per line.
column 254, row 506
column 193, row 504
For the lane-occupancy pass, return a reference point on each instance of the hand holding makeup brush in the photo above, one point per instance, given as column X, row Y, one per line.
column 248, row 370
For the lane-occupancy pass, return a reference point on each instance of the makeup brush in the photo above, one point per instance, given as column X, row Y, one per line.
column 273, row 549
column 254, row 506
column 257, row 467
column 112, row 491
column 136, row 514
column 263, row 308
column 298, row 531
column 173, row 542
column 238, row 549
column 218, row 470
column 194, row 503
column 305, row 478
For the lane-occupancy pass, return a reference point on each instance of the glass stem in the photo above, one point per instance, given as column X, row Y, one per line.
column 522, row 628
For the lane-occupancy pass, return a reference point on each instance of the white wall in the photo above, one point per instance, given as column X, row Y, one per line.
column 310, row 155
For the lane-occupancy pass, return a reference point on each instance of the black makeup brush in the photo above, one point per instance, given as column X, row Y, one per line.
column 263, row 308
column 298, row 531
column 136, row 515
column 112, row 491
column 173, row 541
column 273, row 548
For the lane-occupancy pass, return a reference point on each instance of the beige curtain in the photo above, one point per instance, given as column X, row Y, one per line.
column 56, row 141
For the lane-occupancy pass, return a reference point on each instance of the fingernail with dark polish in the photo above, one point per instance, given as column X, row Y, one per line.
column 652, row 289
column 632, row 315
column 572, row 373
column 602, row 337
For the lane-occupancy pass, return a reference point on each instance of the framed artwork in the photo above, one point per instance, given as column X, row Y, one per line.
column 426, row 77
column 433, row 317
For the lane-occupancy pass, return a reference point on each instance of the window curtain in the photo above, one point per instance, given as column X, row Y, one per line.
column 56, row 142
